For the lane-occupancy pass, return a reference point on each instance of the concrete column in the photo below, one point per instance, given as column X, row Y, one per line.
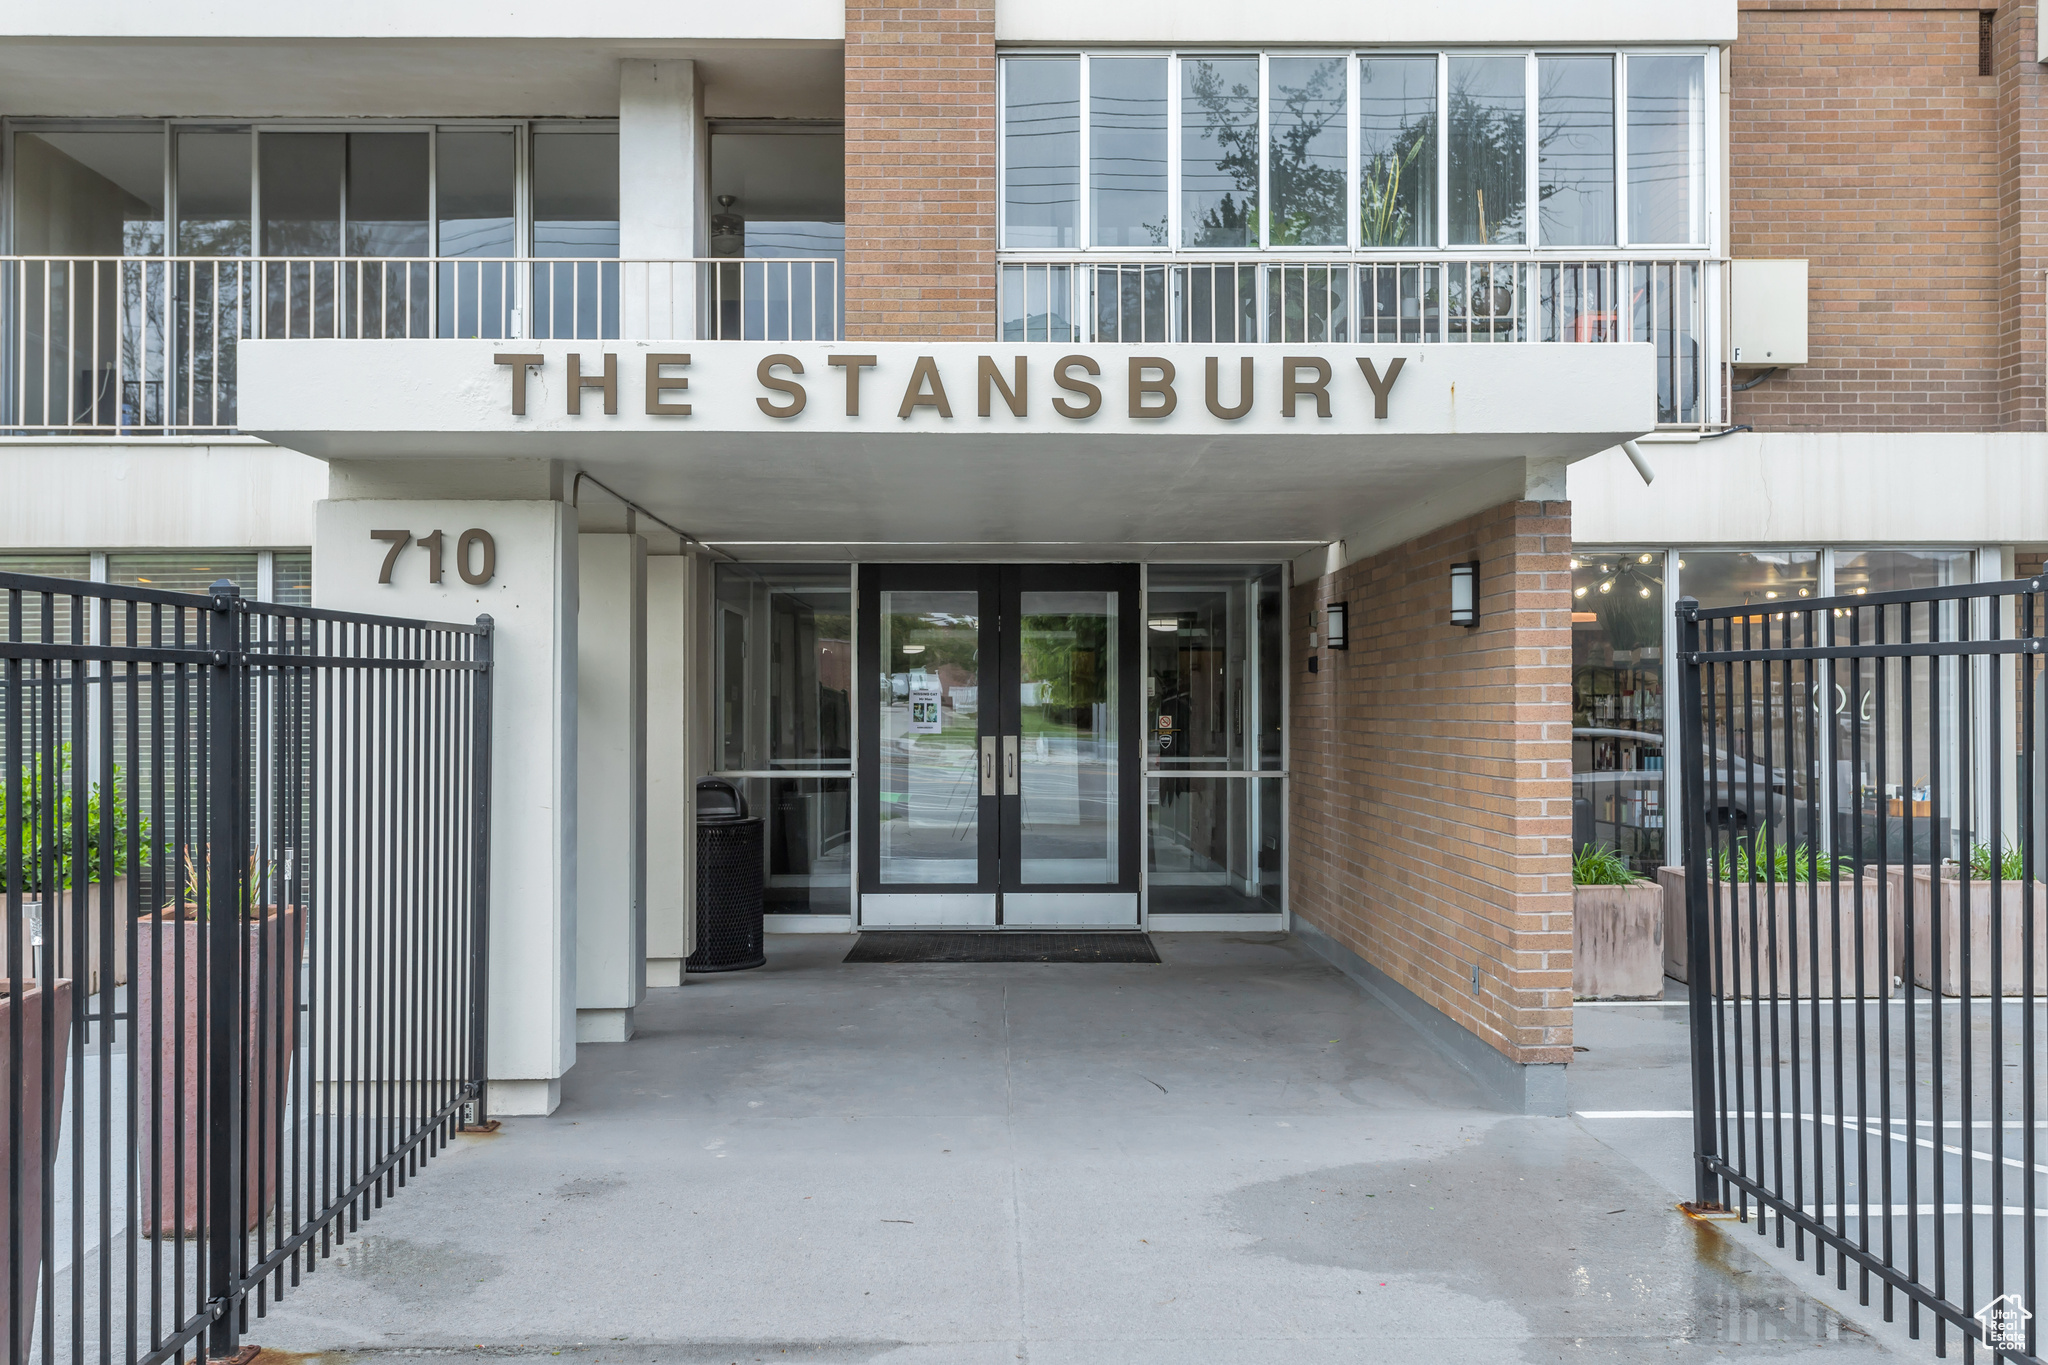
column 532, row 598
column 611, row 786
column 662, row 146
column 672, row 764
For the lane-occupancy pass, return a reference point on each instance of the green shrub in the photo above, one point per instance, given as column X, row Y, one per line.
column 1599, row 865
column 2011, row 866
column 1754, row 862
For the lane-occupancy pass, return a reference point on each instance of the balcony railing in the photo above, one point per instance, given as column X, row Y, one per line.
column 146, row 345
column 1460, row 300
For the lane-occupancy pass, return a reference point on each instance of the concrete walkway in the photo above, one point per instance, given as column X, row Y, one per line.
column 1234, row 1156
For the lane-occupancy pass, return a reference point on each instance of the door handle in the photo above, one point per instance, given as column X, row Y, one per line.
column 1009, row 765
column 988, row 765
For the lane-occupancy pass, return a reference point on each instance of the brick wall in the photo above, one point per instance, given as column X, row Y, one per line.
column 1431, row 817
column 920, row 171
column 1864, row 140
column 2023, row 200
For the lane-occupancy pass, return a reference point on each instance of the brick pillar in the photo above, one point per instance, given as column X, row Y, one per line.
column 1431, row 818
column 2022, row 220
column 920, row 172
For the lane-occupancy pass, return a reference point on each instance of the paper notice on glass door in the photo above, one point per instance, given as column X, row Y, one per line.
column 924, row 704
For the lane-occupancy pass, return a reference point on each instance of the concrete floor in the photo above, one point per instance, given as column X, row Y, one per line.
column 1231, row 1156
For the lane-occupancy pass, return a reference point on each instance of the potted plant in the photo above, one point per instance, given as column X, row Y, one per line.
column 171, row 1042
column 1791, row 903
column 1617, row 929
column 42, row 1020
column 1945, row 910
column 51, row 878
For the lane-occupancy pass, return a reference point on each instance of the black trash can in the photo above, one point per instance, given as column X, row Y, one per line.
column 729, row 891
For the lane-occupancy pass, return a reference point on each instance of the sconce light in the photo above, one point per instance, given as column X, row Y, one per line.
column 1334, row 626
column 1465, row 593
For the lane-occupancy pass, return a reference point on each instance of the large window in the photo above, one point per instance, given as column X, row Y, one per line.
column 1766, row 776
column 461, row 190
column 1397, row 151
column 1213, row 719
column 783, row 647
column 1219, row 152
column 1127, row 165
column 1479, row 150
column 1042, row 151
column 1618, row 611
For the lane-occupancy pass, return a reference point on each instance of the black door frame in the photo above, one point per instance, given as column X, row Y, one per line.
column 999, row 587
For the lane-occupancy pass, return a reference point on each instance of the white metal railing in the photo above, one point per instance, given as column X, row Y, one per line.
column 1671, row 302
column 98, row 345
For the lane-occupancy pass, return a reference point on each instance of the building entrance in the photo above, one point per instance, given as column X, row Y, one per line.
column 1001, row 725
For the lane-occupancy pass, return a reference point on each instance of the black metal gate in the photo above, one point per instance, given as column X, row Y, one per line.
column 244, row 858
column 1865, row 947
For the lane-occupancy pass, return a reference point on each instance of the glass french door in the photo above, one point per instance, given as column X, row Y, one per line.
column 1000, row 734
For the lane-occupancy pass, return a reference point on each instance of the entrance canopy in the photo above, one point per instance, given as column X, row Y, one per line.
column 822, row 448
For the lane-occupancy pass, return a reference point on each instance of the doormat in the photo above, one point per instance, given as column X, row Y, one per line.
column 905, row 946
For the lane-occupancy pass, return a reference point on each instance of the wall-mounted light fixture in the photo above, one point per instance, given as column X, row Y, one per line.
column 1465, row 593
column 1334, row 624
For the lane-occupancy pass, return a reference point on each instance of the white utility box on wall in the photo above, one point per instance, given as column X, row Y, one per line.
column 1767, row 313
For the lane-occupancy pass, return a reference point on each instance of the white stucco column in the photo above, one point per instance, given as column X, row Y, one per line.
column 611, row 785
column 531, row 597
column 673, row 763
column 662, row 152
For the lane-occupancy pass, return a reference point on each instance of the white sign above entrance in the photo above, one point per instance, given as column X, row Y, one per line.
column 336, row 398
column 1151, row 384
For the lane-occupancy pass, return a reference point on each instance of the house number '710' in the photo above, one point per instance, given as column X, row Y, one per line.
column 472, row 547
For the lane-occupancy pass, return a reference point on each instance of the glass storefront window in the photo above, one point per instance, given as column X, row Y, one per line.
column 1214, row 845
column 783, row 662
column 1219, row 157
column 1486, row 131
column 785, row 667
column 1397, row 151
column 809, row 843
column 1213, row 641
column 1041, row 151
column 1305, row 150
column 1883, row 793
column 929, row 813
column 1667, row 156
column 1212, row 667
column 1762, row 777
column 1618, row 752
column 1127, row 203
column 1575, row 150
column 1067, row 807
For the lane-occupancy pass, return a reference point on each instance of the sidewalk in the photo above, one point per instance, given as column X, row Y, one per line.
column 1232, row 1156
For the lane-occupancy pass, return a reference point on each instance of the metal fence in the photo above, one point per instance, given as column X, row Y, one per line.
column 1865, row 952
column 113, row 345
column 244, row 858
column 1669, row 303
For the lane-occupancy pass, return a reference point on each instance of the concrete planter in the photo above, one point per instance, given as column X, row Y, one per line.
column 170, row 1058
column 1618, row 942
column 33, row 1161
column 1782, row 966
column 1949, row 906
